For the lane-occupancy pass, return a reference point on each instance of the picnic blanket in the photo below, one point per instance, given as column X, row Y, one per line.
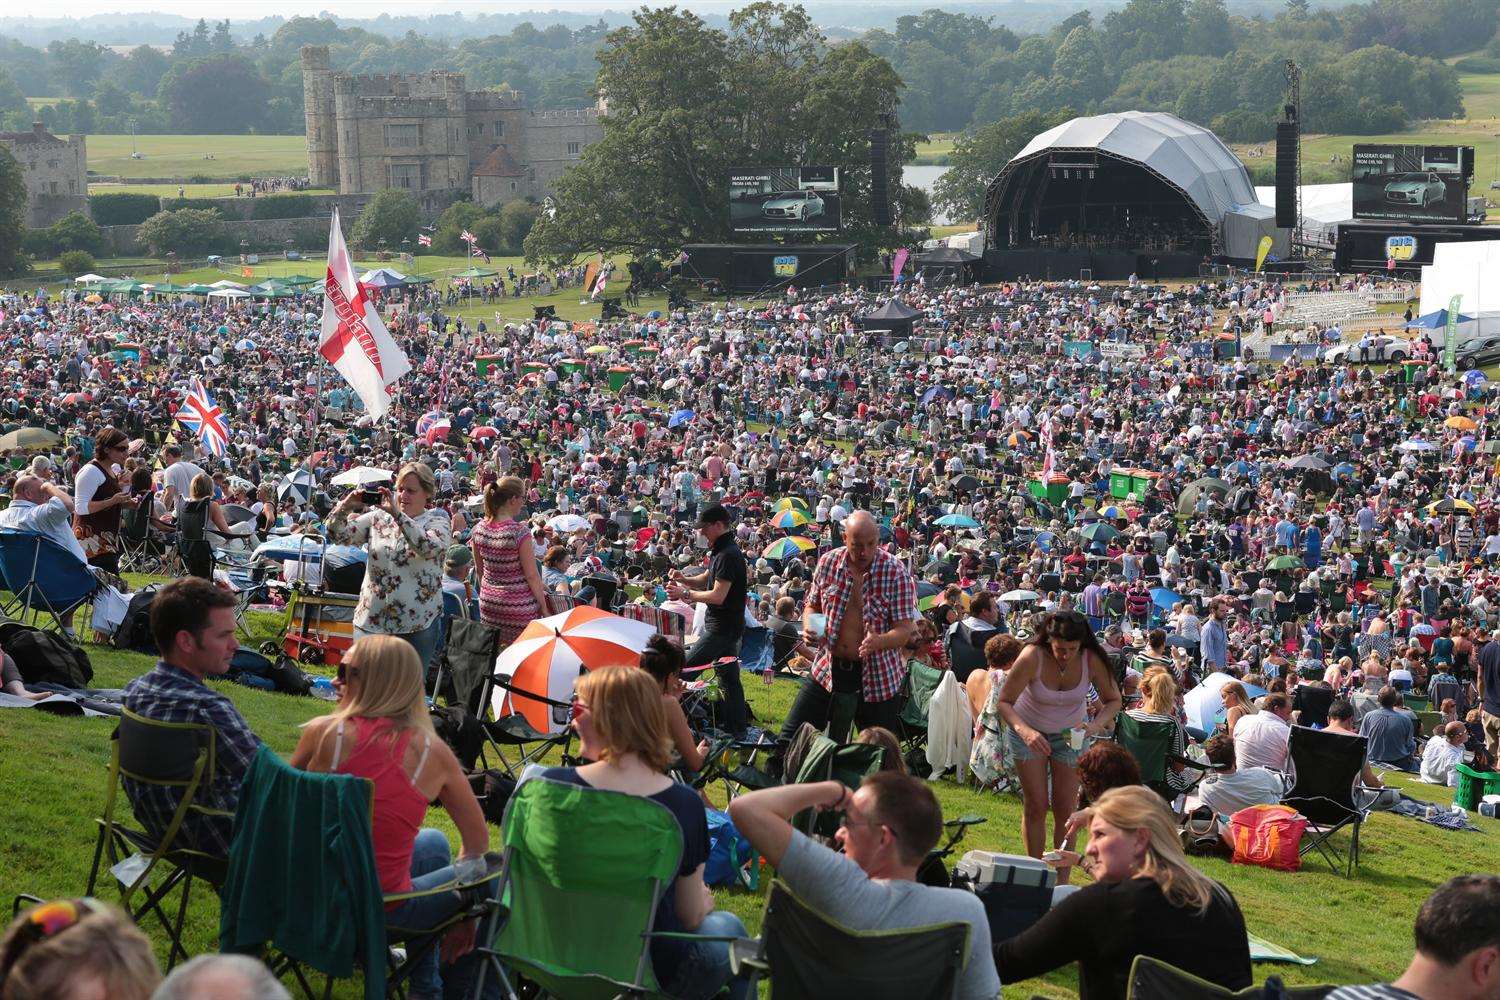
column 1443, row 816
column 1262, row 950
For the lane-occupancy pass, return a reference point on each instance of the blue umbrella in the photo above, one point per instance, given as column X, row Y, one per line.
column 654, row 314
column 1475, row 377
column 680, row 417
column 1164, row 598
column 1044, row 540
column 956, row 521
column 1435, row 320
column 934, row 392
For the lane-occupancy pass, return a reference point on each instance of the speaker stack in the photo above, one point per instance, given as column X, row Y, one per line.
column 1286, row 175
column 880, row 177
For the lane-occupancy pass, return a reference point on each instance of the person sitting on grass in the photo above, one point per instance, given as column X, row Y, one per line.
column 1372, row 792
column 1232, row 788
column 1444, row 750
column 1146, row 900
column 890, row 825
column 1458, row 947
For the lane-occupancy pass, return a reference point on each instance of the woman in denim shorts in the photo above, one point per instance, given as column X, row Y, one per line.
column 1043, row 700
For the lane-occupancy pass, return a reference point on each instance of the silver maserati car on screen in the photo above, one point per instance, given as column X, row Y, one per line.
column 797, row 206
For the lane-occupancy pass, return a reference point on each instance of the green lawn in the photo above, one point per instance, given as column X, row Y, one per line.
column 184, row 155
column 167, row 189
column 934, row 152
column 1359, row 928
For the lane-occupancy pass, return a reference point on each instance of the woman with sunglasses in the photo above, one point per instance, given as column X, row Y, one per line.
column 1044, row 703
column 381, row 730
column 81, row 949
column 97, row 499
column 622, row 728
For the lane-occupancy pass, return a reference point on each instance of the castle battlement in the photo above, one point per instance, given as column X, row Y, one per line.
column 427, row 132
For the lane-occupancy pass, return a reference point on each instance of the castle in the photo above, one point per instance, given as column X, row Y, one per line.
column 425, row 132
column 55, row 170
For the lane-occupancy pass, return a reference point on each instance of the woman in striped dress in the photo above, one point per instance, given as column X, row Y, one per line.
column 510, row 585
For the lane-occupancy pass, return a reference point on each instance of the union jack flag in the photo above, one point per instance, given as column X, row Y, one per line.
column 478, row 251
column 201, row 415
column 468, row 237
column 423, row 240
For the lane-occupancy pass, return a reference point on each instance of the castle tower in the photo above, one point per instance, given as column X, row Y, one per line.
column 322, row 132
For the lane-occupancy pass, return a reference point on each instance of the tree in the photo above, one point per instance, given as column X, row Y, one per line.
column 186, row 232
column 75, row 262
column 109, row 99
column 221, row 41
column 76, row 65
column 1207, row 31
column 12, row 216
column 977, row 160
column 216, row 94
column 390, row 217
column 76, row 231
column 12, row 101
column 688, row 103
column 456, row 218
column 1080, row 65
column 516, row 220
column 141, row 71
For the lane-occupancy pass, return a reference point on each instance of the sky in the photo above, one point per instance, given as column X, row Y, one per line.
column 245, row 9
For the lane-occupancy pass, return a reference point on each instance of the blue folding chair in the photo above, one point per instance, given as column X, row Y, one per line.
column 42, row 577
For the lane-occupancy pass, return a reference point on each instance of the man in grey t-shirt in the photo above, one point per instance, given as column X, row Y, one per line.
column 890, row 825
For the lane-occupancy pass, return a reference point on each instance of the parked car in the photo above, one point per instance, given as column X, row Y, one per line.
column 1478, row 352
column 796, row 206
column 1382, row 348
column 1420, row 190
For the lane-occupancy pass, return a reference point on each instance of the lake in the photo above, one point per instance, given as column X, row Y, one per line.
column 925, row 177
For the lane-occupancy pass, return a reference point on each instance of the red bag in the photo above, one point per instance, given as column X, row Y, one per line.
column 1268, row 836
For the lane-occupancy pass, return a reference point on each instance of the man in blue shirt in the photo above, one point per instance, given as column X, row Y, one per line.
column 193, row 624
column 1213, row 640
column 1392, row 738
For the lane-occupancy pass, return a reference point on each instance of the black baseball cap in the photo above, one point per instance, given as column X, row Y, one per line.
column 715, row 514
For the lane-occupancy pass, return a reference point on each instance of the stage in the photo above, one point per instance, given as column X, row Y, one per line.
column 1066, row 265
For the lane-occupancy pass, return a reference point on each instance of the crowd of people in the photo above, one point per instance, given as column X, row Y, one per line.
column 1078, row 532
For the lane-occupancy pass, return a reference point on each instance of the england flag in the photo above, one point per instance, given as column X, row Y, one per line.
column 354, row 339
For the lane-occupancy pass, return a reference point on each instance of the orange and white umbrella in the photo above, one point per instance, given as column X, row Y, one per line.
column 550, row 653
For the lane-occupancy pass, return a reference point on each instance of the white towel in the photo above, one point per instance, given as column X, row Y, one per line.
column 950, row 727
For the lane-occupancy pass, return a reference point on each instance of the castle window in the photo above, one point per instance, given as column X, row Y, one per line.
column 403, row 136
column 52, row 164
column 499, row 129
column 476, row 130
column 406, row 175
column 574, row 148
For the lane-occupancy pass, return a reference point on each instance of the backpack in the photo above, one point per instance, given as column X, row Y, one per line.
column 458, row 728
column 45, row 657
column 135, row 628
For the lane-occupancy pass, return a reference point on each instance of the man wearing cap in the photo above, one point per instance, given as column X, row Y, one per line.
column 722, row 589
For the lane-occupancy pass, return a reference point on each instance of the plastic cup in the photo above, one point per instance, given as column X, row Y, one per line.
column 817, row 624
column 1076, row 736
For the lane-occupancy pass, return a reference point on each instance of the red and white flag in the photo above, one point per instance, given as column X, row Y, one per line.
column 354, row 339
column 423, row 240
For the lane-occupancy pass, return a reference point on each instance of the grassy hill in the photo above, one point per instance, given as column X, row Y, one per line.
column 184, row 155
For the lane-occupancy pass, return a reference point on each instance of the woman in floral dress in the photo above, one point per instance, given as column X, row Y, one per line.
column 510, row 586
column 406, row 540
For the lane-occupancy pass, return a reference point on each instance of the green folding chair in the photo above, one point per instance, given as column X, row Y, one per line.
column 1150, row 743
column 176, row 755
column 583, row 870
column 808, row 956
column 1153, row 979
column 921, row 682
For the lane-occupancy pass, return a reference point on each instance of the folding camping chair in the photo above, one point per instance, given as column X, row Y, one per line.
column 42, row 578
column 809, row 956
column 287, row 816
column 1323, row 772
column 583, row 870
column 140, row 550
column 670, row 624
column 176, row 755
column 1150, row 743
column 921, row 682
column 465, row 676
column 1153, row 979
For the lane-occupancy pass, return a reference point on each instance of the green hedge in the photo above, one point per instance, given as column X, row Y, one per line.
column 282, row 206
column 123, row 209
column 1478, row 64
column 176, row 204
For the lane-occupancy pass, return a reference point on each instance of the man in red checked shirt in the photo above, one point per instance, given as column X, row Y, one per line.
column 861, row 613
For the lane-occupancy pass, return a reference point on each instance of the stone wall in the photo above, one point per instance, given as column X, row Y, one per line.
column 54, row 170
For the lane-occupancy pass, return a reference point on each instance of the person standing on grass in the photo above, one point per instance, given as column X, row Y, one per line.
column 722, row 588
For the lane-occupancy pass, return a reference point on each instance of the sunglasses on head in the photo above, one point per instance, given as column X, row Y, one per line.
column 42, row 922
